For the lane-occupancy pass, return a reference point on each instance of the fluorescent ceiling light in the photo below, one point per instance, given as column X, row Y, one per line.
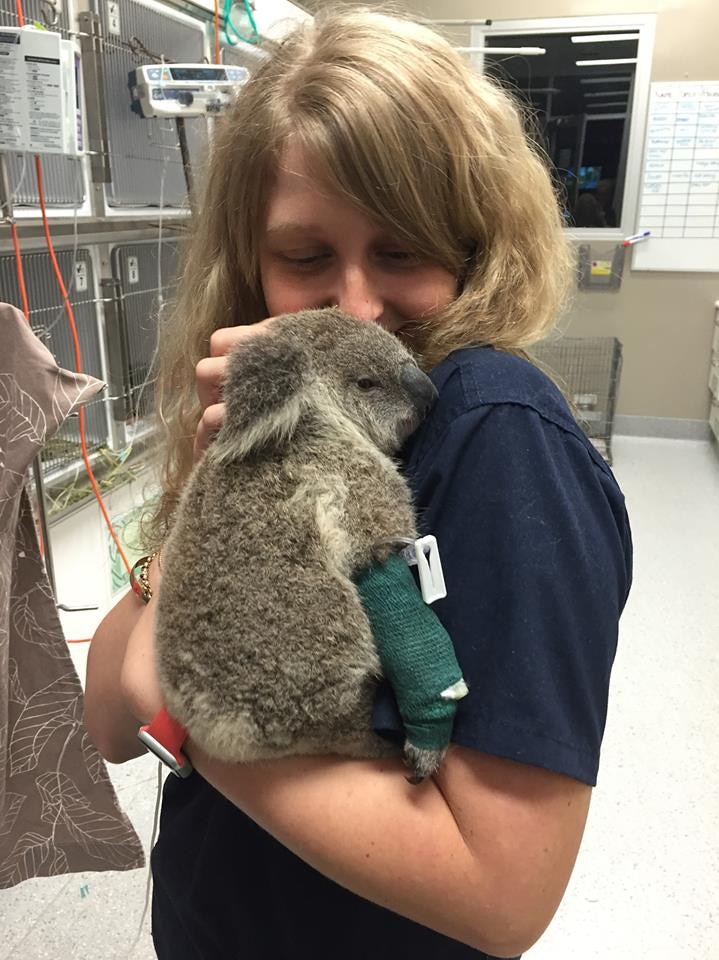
column 614, row 103
column 604, row 63
column 607, row 93
column 523, row 51
column 604, row 37
column 624, row 79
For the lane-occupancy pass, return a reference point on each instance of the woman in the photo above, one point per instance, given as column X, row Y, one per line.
column 365, row 165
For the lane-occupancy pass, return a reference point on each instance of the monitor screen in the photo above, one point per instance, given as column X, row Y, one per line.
column 198, row 73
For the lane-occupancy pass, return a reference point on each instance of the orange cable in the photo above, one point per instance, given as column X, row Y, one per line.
column 217, row 31
column 19, row 270
column 78, row 360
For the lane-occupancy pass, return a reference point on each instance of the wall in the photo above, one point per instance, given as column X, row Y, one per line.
column 664, row 320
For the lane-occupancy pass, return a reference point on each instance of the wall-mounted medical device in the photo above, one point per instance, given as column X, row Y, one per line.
column 39, row 92
column 184, row 89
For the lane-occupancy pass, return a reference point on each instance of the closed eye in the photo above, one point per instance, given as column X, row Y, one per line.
column 366, row 383
column 309, row 261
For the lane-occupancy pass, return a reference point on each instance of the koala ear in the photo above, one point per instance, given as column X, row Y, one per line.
column 264, row 393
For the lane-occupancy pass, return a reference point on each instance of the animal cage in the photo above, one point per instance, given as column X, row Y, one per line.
column 120, row 325
column 61, row 454
column 588, row 369
column 144, row 154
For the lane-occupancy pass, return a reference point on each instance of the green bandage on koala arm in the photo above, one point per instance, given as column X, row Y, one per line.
column 416, row 652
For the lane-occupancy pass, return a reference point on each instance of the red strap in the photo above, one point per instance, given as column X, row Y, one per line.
column 169, row 732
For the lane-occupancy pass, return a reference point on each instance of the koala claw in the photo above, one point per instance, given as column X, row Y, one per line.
column 415, row 779
column 423, row 763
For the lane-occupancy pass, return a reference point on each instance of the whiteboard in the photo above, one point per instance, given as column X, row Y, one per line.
column 679, row 196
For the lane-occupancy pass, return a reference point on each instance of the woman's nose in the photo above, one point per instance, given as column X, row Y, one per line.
column 356, row 294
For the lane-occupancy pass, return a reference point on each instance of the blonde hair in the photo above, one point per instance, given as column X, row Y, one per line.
column 396, row 121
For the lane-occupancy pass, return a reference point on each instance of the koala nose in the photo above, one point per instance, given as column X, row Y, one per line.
column 420, row 388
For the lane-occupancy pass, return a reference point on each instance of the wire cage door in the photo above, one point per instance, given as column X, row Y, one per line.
column 589, row 370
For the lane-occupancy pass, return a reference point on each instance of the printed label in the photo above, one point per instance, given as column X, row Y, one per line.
column 133, row 270
column 13, row 133
column 113, row 18
column 80, row 276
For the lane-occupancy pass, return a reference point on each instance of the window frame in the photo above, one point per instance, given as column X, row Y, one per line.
column 645, row 25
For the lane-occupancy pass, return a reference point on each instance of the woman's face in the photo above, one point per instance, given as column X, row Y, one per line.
column 318, row 250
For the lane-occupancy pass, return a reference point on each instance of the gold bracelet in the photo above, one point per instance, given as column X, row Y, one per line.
column 140, row 581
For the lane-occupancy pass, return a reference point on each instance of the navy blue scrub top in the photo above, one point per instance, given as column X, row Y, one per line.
column 537, row 555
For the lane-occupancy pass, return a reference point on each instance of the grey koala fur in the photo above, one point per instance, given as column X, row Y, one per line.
column 262, row 645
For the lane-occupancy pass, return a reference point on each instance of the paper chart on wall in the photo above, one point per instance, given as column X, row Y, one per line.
column 679, row 197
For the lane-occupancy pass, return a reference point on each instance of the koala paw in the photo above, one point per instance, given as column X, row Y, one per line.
column 423, row 763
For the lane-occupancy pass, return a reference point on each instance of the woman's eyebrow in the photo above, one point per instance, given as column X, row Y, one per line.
column 286, row 227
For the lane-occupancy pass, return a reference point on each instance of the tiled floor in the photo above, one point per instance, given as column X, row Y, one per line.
column 646, row 885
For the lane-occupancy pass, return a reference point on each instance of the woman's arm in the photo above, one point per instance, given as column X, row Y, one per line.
column 111, row 724
column 482, row 853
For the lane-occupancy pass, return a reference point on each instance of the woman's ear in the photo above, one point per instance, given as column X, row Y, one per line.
column 264, row 392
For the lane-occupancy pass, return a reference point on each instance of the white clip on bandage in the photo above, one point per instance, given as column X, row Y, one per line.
column 424, row 554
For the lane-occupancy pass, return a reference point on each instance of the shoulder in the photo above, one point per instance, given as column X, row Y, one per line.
column 474, row 382
column 482, row 376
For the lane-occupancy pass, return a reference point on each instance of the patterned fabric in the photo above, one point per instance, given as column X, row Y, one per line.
column 58, row 810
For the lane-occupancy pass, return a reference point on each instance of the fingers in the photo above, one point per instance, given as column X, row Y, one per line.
column 210, row 371
column 223, row 340
column 209, row 376
column 209, row 424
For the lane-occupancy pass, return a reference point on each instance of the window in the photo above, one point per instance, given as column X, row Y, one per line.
column 586, row 82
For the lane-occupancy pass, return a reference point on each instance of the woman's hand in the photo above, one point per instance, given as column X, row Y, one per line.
column 210, row 373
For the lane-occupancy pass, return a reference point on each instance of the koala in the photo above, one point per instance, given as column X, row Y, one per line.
column 262, row 644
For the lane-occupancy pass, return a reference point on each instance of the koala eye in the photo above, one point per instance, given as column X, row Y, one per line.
column 366, row 383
